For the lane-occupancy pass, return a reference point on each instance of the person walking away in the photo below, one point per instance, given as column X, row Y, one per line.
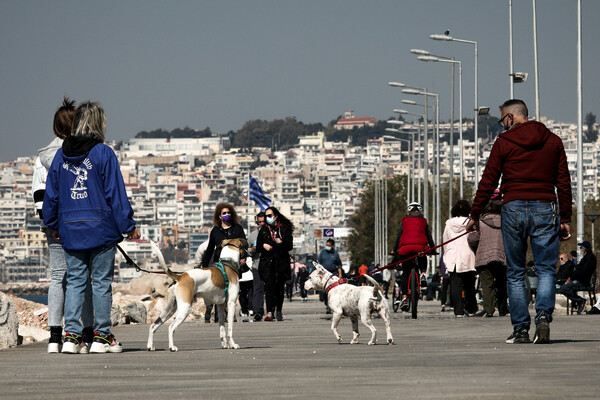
column 63, row 119
column 582, row 276
column 258, row 285
column 460, row 261
column 274, row 243
column 302, row 278
column 413, row 237
column 329, row 258
column 564, row 270
column 225, row 226
column 532, row 163
column 490, row 259
column 86, row 206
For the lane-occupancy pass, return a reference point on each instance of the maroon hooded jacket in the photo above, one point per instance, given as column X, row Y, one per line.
column 532, row 162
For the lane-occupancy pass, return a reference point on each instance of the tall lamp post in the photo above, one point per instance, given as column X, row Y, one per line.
column 410, row 179
column 460, row 112
column 420, row 52
column 419, row 164
column 449, row 38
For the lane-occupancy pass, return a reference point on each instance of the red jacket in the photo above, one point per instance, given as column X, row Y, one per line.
column 414, row 232
column 532, row 162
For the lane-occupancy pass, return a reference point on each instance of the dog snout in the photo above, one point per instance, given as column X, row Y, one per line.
column 308, row 285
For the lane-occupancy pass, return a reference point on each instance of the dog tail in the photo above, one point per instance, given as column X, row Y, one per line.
column 162, row 262
column 376, row 287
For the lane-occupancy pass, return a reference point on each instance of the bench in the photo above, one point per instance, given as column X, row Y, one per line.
column 591, row 291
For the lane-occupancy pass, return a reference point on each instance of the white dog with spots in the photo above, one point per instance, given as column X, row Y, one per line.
column 208, row 283
column 352, row 301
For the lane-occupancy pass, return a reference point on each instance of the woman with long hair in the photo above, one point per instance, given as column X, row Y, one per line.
column 225, row 226
column 275, row 241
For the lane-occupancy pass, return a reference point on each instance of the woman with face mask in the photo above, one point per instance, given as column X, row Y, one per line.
column 225, row 226
column 274, row 243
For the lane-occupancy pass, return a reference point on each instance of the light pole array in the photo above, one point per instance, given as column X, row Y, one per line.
column 410, row 183
column 449, row 38
column 419, row 164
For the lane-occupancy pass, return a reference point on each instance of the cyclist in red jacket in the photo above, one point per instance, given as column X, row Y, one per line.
column 413, row 237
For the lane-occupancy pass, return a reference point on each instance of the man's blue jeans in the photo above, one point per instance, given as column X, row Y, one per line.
column 538, row 221
column 80, row 265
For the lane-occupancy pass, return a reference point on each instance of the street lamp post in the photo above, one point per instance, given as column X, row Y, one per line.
column 419, row 164
column 409, row 195
column 476, row 108
column 420, row 52
column 592, row 217
column 460, row 112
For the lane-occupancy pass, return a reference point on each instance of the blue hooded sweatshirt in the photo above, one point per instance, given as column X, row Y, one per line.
column 85, row 198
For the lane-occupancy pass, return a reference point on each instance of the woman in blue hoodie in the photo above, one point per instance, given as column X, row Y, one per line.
column 86, row 206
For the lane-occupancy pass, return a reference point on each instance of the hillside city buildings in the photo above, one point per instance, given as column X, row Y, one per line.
column 175, row 184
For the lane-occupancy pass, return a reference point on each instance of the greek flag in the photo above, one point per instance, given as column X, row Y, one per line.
column 257, row 195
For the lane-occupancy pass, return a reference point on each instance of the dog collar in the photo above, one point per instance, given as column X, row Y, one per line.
column 340, row 281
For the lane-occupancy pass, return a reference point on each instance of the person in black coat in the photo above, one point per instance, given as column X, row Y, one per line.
column 582, row 275
column 226, row 226
column 274, row 243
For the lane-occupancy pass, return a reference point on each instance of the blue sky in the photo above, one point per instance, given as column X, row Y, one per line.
column 217, row 64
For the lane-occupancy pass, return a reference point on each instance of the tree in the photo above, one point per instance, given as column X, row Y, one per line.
column 591, row 136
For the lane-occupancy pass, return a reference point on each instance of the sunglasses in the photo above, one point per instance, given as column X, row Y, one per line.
column 268, row 215
column 226, row 213
column 501, row 122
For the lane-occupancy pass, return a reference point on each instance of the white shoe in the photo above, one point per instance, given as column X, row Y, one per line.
column 74, row 345
column 54, row 348
column 105, row 344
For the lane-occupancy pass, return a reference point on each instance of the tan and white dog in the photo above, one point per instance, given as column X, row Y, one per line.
column 352, row 301
column 208, row 283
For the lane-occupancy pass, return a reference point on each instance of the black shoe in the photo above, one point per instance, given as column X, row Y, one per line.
column 279, row 316
column 258, row 317
column 487, row 315
column 404, row 305
column 519, row 335
column 480, row 313
column 542, row 330
column 594, row 310
column 581, row 306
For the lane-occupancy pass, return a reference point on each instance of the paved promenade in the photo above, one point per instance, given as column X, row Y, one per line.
column 435, row 357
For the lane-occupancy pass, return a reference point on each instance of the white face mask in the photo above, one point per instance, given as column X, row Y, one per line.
column 270, row 220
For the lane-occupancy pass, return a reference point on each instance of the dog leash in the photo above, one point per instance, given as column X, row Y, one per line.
column 129, row 261
column 420, row 254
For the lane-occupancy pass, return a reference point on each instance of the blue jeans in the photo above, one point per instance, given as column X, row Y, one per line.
column 80, row 265
column 538, row 221
column 58, row 284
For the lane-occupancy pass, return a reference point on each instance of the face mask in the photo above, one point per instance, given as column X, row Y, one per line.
column 226, row 218
column 328, row 248
column 270, row 220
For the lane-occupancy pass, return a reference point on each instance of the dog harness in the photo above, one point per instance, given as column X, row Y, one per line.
column 220, row 265
column 340, row 281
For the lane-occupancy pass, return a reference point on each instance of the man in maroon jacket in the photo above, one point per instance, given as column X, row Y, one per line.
column 533, row 164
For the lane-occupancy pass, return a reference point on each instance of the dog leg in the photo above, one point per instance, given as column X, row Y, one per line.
column 183, row 310
column 222, row 332
column 334, row 324
column 354, row 320
column 385, row 316
column 166, row 313
column 365, row 317
column 230, row 315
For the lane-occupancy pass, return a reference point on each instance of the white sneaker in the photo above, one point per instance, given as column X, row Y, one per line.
column 74, row 345
column 105, row 344
column 54, row 348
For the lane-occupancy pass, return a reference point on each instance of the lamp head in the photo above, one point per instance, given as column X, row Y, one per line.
column 411, row 102
column 411, row 91
column 400, row 111
column 428, row 58
column 395, row 122
column 396, row 84
column 442, row 37
column 420, row 52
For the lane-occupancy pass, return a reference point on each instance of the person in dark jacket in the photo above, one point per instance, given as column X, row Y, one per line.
column 490, row 259
column 274, row 243
column 564, row 270
column 533, row 165
column 86, row 206
column 225, row 226
column 413, row 237
column 582, row 275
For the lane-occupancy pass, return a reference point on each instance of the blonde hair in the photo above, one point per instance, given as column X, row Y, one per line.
column 90, row 120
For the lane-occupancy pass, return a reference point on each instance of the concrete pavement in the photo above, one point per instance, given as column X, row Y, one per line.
column 435, row 357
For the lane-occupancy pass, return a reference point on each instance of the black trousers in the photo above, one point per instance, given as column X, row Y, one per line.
column 258, row 293
column 246, row 295
column 459, row 283
column 493, row 287
column 275, row 293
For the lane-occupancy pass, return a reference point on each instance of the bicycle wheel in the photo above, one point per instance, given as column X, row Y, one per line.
column 414, row 293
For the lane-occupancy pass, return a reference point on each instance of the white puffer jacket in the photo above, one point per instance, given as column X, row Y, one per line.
column 458, row 256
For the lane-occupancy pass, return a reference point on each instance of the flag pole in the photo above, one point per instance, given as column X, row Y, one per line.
column 248, row 206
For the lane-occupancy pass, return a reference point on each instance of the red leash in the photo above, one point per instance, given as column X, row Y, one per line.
column 420, row 254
